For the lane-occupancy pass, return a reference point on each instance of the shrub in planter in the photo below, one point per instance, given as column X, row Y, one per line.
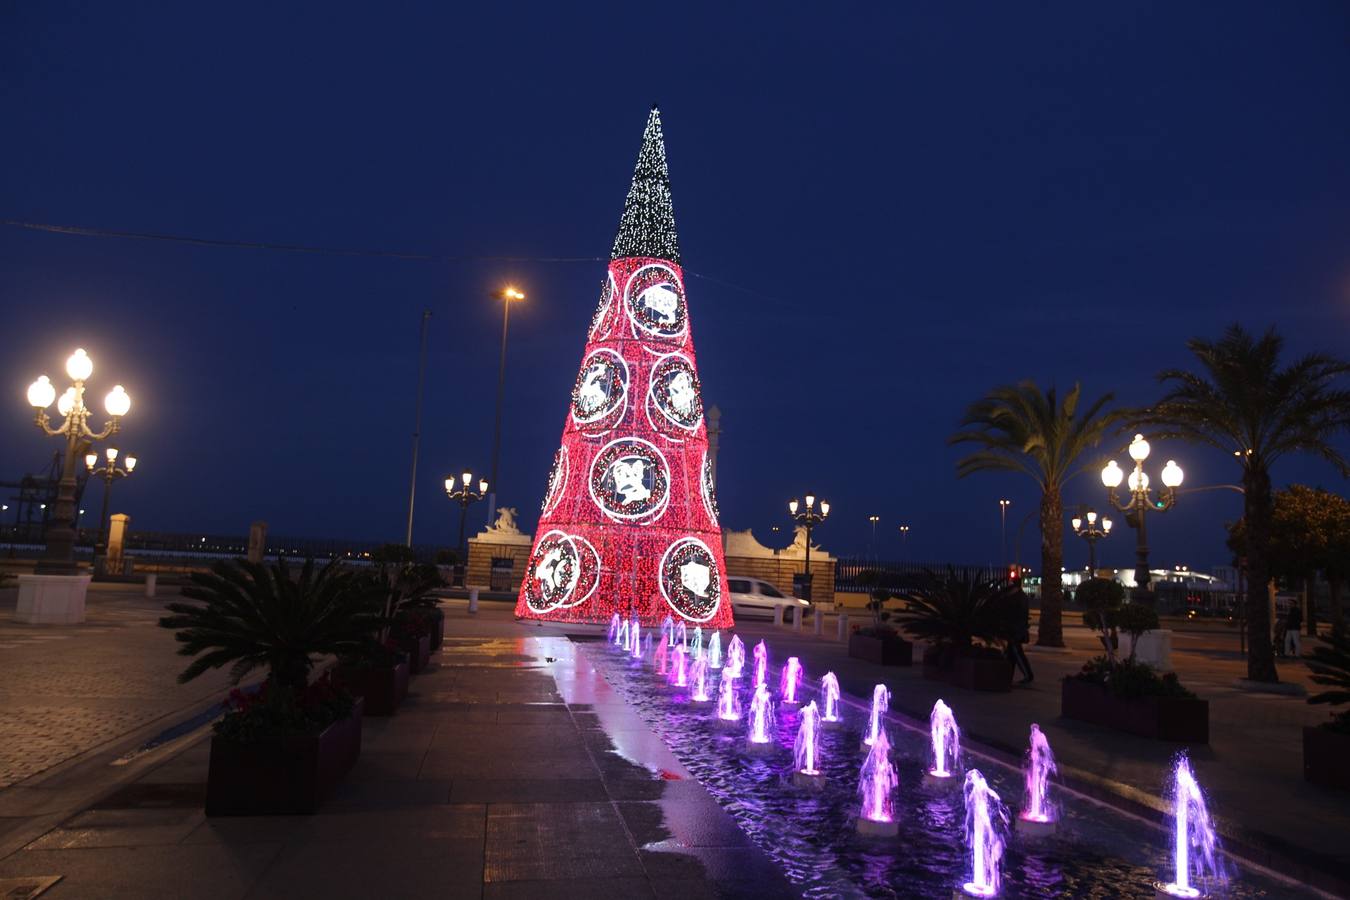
column 1326, row 747
column 879, row 642
column 379, row 675
column 982, row 669
column 284, row 750
column 960, row 615
column 1134, row 697
column 411, row 631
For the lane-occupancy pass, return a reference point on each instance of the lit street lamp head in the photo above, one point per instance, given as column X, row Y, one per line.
column 91, row 460
column 41, row 393
column 792, row 507
column 118, row 402
column 79, row 366
column 1139, row 449
column 1112, row 475
column 1172, row 474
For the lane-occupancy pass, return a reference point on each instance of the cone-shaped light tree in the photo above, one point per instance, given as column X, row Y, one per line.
column 629, row 519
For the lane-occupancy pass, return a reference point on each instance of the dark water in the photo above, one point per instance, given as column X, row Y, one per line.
column 1096, row 852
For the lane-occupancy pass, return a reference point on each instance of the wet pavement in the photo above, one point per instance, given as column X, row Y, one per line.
column 512, row 770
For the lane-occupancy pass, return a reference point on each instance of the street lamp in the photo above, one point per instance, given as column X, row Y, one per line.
column 904, row 541
column 507, row 295
column 1003, row 532
column 109, row 473
column 1139, row 504
column 1092, row 532
column 464, row 495
column 874, row 520
column 810, row 517
column 59, row 556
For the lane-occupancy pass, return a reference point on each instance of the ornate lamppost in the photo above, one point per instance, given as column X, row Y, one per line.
column 59, row 556
column 809, row 517
column 904, row 541
column 109, row 473
column 1092, row 532
column 464, row 495
column 1140, row 502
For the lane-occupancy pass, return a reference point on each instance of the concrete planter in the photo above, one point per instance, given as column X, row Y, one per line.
column 1326, row 757
column 977, row 673
column 419, row 652
column 382, row 689
column 884, row 650
column 281, row 776
column 1184, row 719
column 437, row 629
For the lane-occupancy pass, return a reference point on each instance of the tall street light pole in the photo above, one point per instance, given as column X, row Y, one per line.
column 904, row 541
column 1003, row 533
column 874, row 520
column 1092, row 532
column 59, row 556
column 417, row 422
column 1140, row 503
column 507, row 295
column 108, row 473
column 464, row 495
column 809, row 517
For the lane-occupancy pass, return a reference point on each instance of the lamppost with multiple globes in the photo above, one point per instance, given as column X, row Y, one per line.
column 1141, row 502
column 874, row 520
column 1092, row 530
column 464, row 495
column 811, row 516
column 59, row 556
column 507, row 295
column 1003, row 532
column 109, row 473
column 904, row 540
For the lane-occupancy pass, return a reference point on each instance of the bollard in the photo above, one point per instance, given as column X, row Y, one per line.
column 796, row 618
column 473, row 600
column 843, row 627
column 778, row 616
column 820, row 623
column 150, row 579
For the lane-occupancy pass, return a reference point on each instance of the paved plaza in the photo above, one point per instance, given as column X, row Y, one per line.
column 513, row 770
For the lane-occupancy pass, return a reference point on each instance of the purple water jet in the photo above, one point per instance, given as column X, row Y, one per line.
column 660, row 656
column 876, row 786
column 881, row 701
column 681, row 673
column 736, row 656
column 715, row 650
column 680, row 635
column 829, row 687
column 790, row 680
column 635, row 635
column 1037, row 816
column 806, row 749
column 648, row 649
column 1193, row 831
column 761, row 719
column 696, row 648
column 614, row 629
column 624, row 638
column 728, row 707
column 761, row 663
column 946, row 740
column 986, row 822
column 700, row 676
column 668, row 631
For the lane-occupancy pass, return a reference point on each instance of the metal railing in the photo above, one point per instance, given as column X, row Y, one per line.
column 849, row 574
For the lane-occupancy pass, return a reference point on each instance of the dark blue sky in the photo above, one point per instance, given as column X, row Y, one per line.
column 886, row 211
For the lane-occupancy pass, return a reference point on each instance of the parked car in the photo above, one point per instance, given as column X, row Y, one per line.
column 755, row 599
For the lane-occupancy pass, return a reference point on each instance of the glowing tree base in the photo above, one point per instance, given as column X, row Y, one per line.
column 874, row 828
column 1034, row 829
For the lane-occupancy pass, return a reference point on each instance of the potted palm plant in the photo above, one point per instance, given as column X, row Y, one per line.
column 1326, row 747
column 879, row 642
column 964, row 618
column 281, row 749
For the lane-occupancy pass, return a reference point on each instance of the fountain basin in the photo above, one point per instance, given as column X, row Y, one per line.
column 832, row 723
column 1034, row 828
column 874, row 828
column 941, row 782
column 970, row 889
column 763, row 749
column 1173, row 892
column 697, row 702
column 864, row 747
column 814, row 782
column 728, row 724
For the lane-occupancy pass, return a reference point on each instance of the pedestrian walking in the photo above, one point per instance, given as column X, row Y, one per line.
column 1016, row 655
column 1293, row 625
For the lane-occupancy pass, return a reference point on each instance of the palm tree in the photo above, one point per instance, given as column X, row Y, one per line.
column 251, row 615
column 1244, row 403
column 1020, row 428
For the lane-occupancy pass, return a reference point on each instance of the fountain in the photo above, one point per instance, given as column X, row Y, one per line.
column 761, row 720
column 728, row 707
column 1037, row 818
column 700, row 676
column 881, row 700
column 696, row 648
column 668, row 631
column 636, row 639
column 1193, row 831
column 736, row 656
column 681, row 673
column 806, row 750
column 660, row 657
column 986, row 821
column 790, row 680
column 715, row 650
column 613, row 629
column 680, row 635
column 623, row 638
column 876, row 786
column 829, row 688
column 761, row 663
column 946, row 740
column 648, row 650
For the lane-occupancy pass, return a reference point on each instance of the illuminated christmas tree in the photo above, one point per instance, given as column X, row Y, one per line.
column 629, row 519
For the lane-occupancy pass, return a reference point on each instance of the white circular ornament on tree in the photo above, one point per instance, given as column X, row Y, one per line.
column 600, row 395
column 630, row 480
column 689, row 581
column 602, row 322
column 563, row 571
column 557, row 481
column 674, row 396
column 654, row 297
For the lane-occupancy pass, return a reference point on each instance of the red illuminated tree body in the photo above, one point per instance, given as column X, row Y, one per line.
column 629, row 521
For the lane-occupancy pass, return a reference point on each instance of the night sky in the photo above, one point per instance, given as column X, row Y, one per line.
column 883, row 213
